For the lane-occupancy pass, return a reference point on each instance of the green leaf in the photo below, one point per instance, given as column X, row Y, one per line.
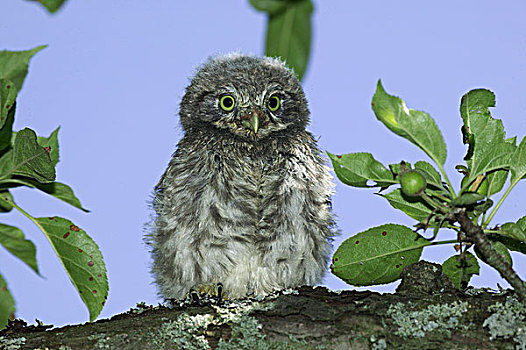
column 289, row 35
column 55, row 189
column 386, row 107
column 522, row 223
column 461, row 270
column 512, row 236
column 510, row 243
column 518, row 162
column 494, row 157
column 269, row 6
column 355, row 169
column 461, row 169
column 488, row 149
column 81, row 258
column 30, row 159
column 476, row 103
column 6, row 131
column 378, row 255
column 411, row 206
column 396, row 168
column 50, row 145
column 13, row 239
column 467, row 198
column 8, row 93
column 14, row 65
column 423, row 132
column 432, row 176
column 7, row 303
column 482, row 207
column 6, row 164
column 500, row 248
column 487, row 130
column 62, row 192
column 496, row 180
column 51, row 5
column 514, row 230
column 416, row 126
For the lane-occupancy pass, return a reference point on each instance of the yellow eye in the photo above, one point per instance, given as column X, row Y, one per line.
column 227, row 103
column 273, row 103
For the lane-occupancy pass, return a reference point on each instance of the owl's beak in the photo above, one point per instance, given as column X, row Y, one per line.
column 252, row 119
column 254, row 123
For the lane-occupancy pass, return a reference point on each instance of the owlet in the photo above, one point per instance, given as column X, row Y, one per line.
column 245, row 200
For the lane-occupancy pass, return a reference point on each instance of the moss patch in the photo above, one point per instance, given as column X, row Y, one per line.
column 416, row 323
column 508, row 321
column 12, row 344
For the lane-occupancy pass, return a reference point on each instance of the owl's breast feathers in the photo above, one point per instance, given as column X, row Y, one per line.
column 255, row 216
column 247, row 190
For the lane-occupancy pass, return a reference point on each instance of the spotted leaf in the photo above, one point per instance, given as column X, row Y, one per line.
column 14, row 65
column 81, row 258
column 50, row 144
column 30, row 159
column 378, row 255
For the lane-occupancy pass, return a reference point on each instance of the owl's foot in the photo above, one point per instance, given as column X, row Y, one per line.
column 208, row 293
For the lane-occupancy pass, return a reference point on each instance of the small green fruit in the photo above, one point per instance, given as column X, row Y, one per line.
column 413, row 183
column 482, row 188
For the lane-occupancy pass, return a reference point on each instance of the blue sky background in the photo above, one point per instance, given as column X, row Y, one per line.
column 115, row 71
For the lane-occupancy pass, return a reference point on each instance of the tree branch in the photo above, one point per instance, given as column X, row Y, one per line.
column 427, row 312
column 493, row 258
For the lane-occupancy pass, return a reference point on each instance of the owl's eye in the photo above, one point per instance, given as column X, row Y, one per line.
column 227, row 103
column 273, row 103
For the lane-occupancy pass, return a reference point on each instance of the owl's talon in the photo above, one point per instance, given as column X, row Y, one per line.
column 195, row 297
column 219, row 292
column 207, row 293
column 170, row 302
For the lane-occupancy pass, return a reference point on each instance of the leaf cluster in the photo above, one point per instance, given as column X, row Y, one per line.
column 51, row 5
column 490, row 160
column 288, row 31
column 29, row 160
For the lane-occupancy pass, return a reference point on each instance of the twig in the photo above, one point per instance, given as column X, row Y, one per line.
column 478, row 237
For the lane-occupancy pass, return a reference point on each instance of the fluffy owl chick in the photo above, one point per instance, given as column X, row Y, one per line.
column 245, row 200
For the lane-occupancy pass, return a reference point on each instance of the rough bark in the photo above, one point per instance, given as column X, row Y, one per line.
column 493, row 258
column 426, row 312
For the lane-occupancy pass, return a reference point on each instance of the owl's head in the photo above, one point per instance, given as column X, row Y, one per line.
column 250, row 97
